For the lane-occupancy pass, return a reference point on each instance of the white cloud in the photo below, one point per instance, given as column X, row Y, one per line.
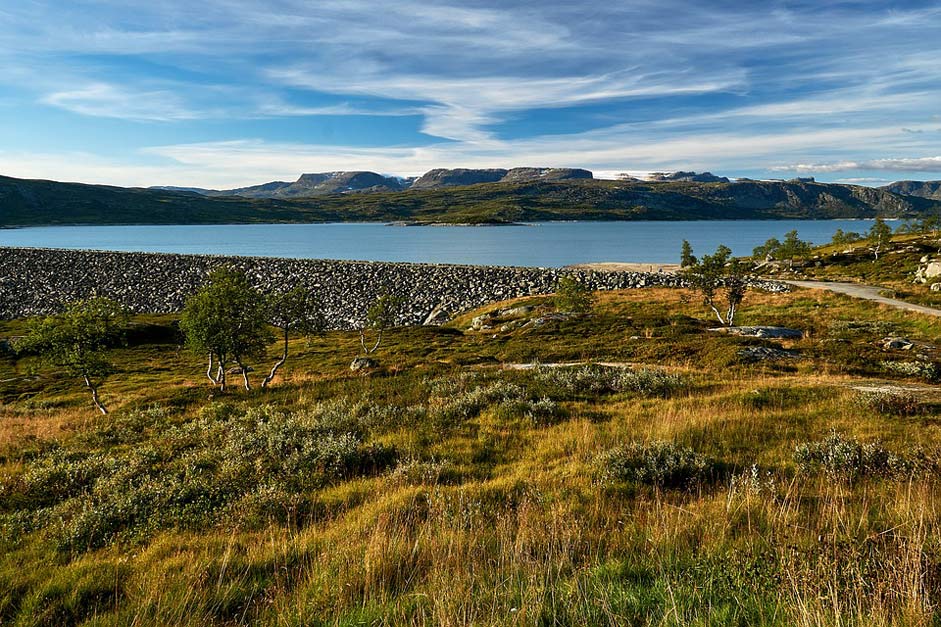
column 110, row 101
column 812, row 85
column 910, row 164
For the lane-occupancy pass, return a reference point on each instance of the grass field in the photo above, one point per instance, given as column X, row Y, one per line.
column 470, row 479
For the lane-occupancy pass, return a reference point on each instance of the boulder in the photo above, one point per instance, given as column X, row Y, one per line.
column 896, row 343
column 753, row 354
column 769, row 332
column 363, row 363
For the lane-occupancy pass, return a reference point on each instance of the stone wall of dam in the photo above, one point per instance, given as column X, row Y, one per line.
column 40, row 281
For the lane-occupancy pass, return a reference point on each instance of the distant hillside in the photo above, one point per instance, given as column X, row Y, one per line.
column 319, row 184
column 34, row 202
column 325, row 183
column 921, row 189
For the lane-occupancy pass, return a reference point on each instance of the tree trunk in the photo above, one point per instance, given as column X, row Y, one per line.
column 244, row 369
column 280, row 362
column 221, row 377
column 362, row 341
column 94, row 395
column 214, row 379
column 718, row 314
column 730, row 315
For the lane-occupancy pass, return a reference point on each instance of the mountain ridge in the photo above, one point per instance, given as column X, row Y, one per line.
column 39, row 202
column 921, row 189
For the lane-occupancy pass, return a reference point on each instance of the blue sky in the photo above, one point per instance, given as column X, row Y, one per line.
column 223, row 93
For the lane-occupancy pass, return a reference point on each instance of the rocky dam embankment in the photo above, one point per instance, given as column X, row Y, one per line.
column 40, row 281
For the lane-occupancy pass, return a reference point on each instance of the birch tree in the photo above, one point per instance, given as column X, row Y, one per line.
column 721, row 281
column 296, row 311
column 78, row 340
column 226, row 320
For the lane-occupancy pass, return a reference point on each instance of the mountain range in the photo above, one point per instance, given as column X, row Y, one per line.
column 485, row 196
column 325, row 183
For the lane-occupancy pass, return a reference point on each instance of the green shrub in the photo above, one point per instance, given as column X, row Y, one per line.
column 461, row 406
column 540, row 412
column 572, row 296
column 595, row 379
column 927, row 371
column 847, row 459
column 414, row 471
column 195, row 472
column 892, row 403
column 658, row 463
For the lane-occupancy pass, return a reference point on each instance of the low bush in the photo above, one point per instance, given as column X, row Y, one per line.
column 892, row 403
column 540, row 412
column 846, row 459
column 660, row 464
column 460, row 406
column 413, row 471
column 596, row 379
column 193, row 473
column 927, row 371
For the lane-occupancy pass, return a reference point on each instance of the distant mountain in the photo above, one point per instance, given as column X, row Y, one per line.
column 441, row 177
column 438, row 178
column 173, row 188
column 318, row 184
column 687, row 177
column 921, row 189
column 34, row 202
column 522, row 175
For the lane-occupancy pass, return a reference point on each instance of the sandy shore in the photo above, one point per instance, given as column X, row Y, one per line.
column 614, row 266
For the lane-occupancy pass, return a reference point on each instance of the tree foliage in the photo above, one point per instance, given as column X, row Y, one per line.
column 228, row 320
column 686, row 255
column 841, row 238
column 380, row 316
column 880, row 234
column 78, row 339
column 721, row 281
column 792, row 247
column 573, row 296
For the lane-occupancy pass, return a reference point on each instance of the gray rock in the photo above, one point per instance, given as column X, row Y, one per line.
column 769, row 332
column 751, row 354
column 896, row 343
column 516, row 312
column 363, row 363
column 41, row 281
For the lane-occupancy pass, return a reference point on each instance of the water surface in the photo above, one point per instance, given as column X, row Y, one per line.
column 547, row 244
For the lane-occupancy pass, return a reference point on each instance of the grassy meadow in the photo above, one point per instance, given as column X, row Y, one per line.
column 624, row 467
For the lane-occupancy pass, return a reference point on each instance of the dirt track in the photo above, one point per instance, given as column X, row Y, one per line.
column 866, row 292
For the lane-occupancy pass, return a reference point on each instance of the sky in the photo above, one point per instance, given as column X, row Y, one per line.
column 227, row 93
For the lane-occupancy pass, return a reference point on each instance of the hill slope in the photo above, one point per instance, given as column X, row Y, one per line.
column 921, row 189
column 37, row 202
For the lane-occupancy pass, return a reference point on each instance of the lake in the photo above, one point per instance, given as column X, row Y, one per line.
column 546, row 244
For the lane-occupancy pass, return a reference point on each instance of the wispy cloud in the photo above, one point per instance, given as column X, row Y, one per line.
column 110, row 101
column 825, row 87
column 908, row 164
